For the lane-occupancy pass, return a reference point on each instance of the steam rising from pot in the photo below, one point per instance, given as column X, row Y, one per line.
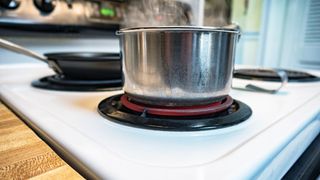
column 217, row 12
column 156, row 13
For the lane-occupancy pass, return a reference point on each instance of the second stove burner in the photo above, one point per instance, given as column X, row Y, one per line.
column 55, row 82
column 112, row 109
column 267, row 75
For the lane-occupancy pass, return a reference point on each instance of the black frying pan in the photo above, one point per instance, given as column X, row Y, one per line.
column 76, row 65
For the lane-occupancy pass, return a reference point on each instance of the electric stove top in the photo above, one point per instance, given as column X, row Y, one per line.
column 264, row 146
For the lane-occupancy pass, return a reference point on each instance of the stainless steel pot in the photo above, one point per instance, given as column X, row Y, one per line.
column 178, row 66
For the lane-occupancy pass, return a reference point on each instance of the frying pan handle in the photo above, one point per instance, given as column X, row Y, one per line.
column 21, row 50
column 18, row 49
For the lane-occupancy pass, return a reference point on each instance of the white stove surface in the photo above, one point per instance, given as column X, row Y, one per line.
column 264, row 146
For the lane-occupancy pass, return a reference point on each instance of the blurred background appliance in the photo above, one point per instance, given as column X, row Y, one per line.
column 61, row 15
column 59, row 25
column 274, row 33
column 68, row 25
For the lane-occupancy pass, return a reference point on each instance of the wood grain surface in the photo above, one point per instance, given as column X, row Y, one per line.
column 23, row 155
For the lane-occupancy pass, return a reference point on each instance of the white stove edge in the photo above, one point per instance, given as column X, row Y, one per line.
column 251, row 169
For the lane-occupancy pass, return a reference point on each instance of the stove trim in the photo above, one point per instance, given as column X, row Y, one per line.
column 107, row 109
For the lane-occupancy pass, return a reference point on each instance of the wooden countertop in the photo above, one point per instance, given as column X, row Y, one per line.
column 24, row 155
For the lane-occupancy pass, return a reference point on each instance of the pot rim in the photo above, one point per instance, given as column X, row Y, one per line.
column 233, row 28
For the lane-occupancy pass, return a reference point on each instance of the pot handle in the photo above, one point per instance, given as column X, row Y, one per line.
column 118, row 33
column 240, row 32
column 235, row 26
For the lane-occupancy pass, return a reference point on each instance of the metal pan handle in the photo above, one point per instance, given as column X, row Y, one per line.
column 21, row 50
column 18, row 49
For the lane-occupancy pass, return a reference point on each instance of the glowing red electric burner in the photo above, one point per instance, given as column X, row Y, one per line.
column 177, row 111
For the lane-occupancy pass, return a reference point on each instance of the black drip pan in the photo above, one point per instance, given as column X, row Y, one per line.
column 267, row 75
column 55, row 82
column 112, row 109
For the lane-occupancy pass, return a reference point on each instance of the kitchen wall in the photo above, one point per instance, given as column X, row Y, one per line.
column 292, row 34
column 278, row 33
column 248, row 14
